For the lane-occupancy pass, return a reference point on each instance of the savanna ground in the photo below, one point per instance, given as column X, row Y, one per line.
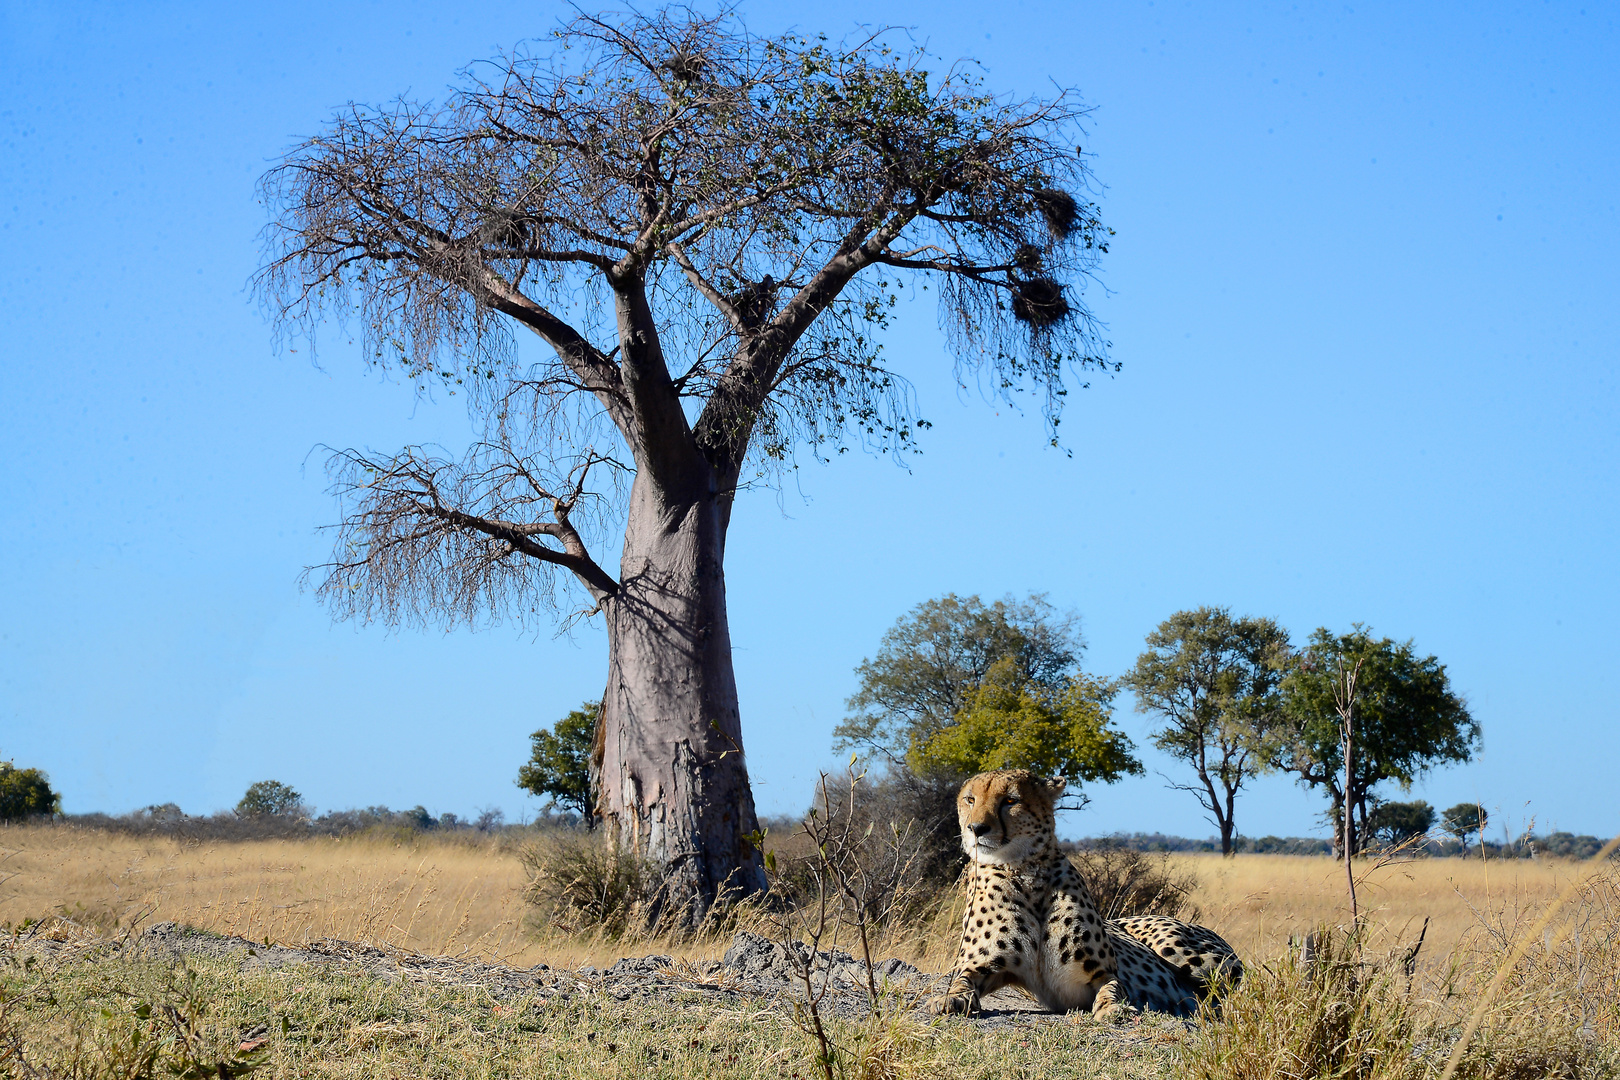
column 89, row 1008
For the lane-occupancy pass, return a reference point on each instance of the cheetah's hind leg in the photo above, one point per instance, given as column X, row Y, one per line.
column 1201, row 958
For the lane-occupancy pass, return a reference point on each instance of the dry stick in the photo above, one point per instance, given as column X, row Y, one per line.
column 1344, row 695
column 1514, row 956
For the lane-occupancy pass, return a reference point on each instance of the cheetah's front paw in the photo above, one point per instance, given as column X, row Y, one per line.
column 947, row 1004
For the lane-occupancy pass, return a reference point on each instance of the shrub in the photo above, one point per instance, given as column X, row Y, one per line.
column 581, row 885
column 26, row 793
column 1124, row 881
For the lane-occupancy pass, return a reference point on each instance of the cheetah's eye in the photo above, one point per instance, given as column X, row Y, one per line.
column 968, row 799
column 1011, row 800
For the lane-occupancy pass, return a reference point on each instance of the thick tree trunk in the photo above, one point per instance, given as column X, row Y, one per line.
column 673, row 785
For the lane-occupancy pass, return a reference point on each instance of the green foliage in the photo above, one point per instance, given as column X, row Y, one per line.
column 1396, row 823
column 934, row 658
column 1463, row 820
column 559, row 764
column 1214, row 682
column 271, row 798
column 1407, row 718
column 1012, row 721
column 26, row 793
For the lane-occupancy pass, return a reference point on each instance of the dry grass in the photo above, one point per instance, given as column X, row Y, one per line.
column 1358, row 1014
column 457, row 895
column 78, row 1021
column 445, row 897
column 1260, row 902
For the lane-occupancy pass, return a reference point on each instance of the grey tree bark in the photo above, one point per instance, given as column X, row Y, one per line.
column 673, row 783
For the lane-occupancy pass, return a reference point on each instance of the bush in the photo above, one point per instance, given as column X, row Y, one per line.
column 1124, row 881
column 582, row 885
column 26, row 793
column 1310, row 1017
column 925, row 809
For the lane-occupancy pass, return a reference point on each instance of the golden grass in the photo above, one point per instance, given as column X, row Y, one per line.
column 1260, row 902
column 454, row 896
column 1557, row 1012
column 414, row 891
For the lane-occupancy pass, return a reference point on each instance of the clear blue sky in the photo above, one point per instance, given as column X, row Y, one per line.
column 1364, row 289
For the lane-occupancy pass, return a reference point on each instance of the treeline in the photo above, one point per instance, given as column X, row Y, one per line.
column 226, row 825
column 272, row 810
column 169, row 820
column 1530, row 846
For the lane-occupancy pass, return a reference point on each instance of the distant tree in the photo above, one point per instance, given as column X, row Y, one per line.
column 417, row 817
column 559, row 764
column 271, row 798
column 1464, row 820
column 1396, row 823
column 1012, row 721
column 934, row 659
column 163, row 813
column 1214, row 682
column 26, row 793
column 1407, row 720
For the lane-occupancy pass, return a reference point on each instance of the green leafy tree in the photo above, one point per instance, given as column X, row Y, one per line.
column 1463, row 821
column 26, row 793
column 559, row 764
column 933, row 660
column 1214, row 683
column 1012, row 721
column 271, row 798
column 1397, row 823
column 705, row 231
column 1407, row 720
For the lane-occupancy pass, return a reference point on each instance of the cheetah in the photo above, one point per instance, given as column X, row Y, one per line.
column 1031, row 922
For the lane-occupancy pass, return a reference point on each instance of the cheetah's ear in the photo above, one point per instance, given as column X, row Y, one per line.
column 1054, row 787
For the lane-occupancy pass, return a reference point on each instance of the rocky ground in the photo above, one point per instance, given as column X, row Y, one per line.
column 753, row 968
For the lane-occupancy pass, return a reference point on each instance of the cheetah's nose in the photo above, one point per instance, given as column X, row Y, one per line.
column 980, row 828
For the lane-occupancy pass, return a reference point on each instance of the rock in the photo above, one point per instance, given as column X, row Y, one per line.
column 751, row 956
column 642, row 965
column 176, row 939
column 757, row 958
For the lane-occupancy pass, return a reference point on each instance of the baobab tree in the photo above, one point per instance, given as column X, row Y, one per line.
column 707, row 231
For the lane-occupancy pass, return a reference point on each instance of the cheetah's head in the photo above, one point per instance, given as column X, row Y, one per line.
column 1005, row 814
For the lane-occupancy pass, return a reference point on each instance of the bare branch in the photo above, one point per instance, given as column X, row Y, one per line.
column 668, row 185
column 433, row 541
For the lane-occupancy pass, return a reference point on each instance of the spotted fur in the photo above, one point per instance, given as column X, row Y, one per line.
column 1030, row 920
